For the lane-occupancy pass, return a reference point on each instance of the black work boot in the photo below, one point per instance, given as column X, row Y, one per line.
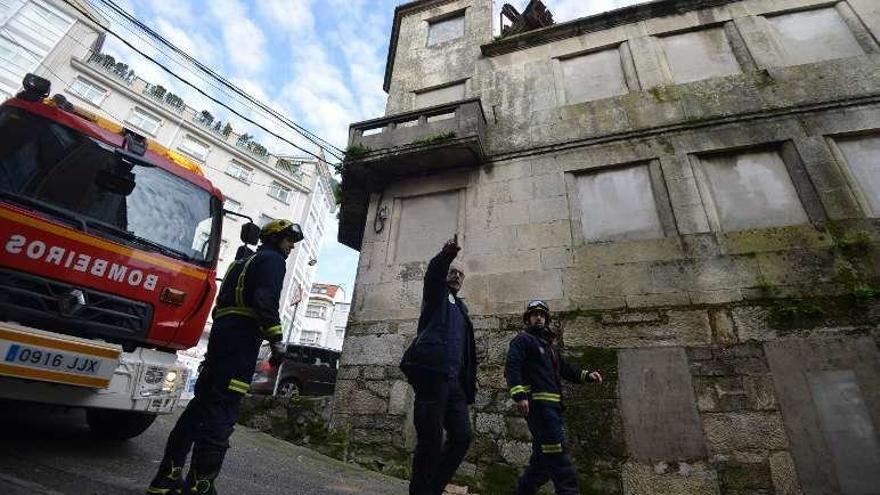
column 168, row 481
column 199, row 485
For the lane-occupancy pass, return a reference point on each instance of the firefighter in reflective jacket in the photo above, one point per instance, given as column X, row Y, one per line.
column 245, row 314
column 534, row 372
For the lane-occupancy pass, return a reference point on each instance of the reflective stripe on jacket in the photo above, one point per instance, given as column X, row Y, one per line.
column 252, row 289
column 535, row 369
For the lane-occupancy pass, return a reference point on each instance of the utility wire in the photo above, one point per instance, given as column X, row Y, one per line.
column 119, row 119
column 89, row 48
column 303, row 131
column 76, row 7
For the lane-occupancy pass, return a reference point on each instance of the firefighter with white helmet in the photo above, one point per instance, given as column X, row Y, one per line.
column 246, row 313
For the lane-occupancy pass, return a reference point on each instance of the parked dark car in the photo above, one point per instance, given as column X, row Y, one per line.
column 306, row 370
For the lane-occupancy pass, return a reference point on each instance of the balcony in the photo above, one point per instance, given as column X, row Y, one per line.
column 406, row 145
column 420, row 142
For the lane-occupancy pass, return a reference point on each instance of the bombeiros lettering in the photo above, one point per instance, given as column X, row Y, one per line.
column 34, row 249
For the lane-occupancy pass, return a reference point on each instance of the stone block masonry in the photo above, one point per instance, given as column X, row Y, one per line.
column 708, row 239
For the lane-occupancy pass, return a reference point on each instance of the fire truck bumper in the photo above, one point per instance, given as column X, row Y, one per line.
column 144, row 380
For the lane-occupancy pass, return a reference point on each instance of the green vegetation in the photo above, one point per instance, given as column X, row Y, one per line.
column 435, row 138
column 357, row 150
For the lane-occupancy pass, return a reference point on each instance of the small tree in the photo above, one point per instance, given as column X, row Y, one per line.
column 206, row 118
column 244, row 139
column 109, row 62
column 158, row 91
column 227, row 130
column 120, row 69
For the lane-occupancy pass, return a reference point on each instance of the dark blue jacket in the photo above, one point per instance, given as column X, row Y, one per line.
column 252, row 289
column 535, row 369
column 429, row 349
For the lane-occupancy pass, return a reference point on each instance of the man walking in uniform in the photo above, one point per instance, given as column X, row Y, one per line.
column 441, row 366
column 534, row 372
column 246, row 313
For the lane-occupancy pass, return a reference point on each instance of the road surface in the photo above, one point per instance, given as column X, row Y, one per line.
column 50, row 452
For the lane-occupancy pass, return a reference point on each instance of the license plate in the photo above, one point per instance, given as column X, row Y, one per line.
column 45, row 357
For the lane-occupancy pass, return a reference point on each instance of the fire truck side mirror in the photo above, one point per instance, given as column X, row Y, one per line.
column 250, row 233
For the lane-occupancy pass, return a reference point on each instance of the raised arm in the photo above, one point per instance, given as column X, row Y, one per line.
column 438, row 269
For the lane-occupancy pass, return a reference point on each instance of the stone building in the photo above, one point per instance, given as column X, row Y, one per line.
column 692, row 185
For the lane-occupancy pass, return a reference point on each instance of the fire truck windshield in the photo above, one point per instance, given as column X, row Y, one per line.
column 50, row 168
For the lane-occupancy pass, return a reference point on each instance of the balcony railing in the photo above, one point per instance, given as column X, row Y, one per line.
column 421, row 141
column 410, row 144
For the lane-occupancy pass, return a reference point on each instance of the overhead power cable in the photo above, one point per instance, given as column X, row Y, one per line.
column 118, row 119
column 201, row 91
column 303, row 131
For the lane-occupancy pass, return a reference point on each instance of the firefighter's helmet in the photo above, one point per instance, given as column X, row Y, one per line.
column 537, row 306
column 281, row 229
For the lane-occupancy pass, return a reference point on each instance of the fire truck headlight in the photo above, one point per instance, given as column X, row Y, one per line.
column 171, row 379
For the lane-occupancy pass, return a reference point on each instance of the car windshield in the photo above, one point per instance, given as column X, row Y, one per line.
column 51, row 168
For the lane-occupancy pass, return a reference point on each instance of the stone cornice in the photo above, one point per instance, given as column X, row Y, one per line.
column 598, row 22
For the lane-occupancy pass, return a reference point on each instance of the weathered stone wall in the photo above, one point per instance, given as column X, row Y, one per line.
column 684, row 321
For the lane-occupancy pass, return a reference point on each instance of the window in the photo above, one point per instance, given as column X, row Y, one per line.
column 699, row 55
column 194, row 148
column 446, row 29
column 862, row 157
column 316, row 311
column 264, row 219
column 144, row 121
column 88, row 91
column 749, row 190
column 617, row 203
column 439, row 96
column 240, row 172
column 309, row 337
column 279, row 192
column 814, row 35
column 316, row 290
column 593, row 76
column 425, row 221
column 232, row 205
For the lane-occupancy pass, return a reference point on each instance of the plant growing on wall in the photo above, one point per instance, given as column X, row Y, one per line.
column 435, row 138
column 357, row 150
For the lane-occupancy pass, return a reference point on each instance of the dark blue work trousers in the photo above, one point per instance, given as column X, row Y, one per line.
column 208, row 421
column 548, row 461
column 440, row 405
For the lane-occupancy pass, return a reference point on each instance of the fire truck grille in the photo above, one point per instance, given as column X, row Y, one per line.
column 59, row 307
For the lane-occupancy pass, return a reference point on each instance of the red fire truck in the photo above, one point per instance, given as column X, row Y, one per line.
column 108, row 249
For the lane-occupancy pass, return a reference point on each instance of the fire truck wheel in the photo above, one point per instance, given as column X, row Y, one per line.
column 109, row 424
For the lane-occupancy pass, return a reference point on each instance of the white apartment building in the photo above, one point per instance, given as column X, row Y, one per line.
column 254, row 181
column 326, row 315
column 35, row 33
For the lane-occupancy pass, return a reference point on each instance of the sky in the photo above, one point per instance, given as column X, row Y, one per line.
column 319, row 62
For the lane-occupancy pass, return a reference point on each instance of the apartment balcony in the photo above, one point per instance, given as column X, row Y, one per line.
column 406, row 145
